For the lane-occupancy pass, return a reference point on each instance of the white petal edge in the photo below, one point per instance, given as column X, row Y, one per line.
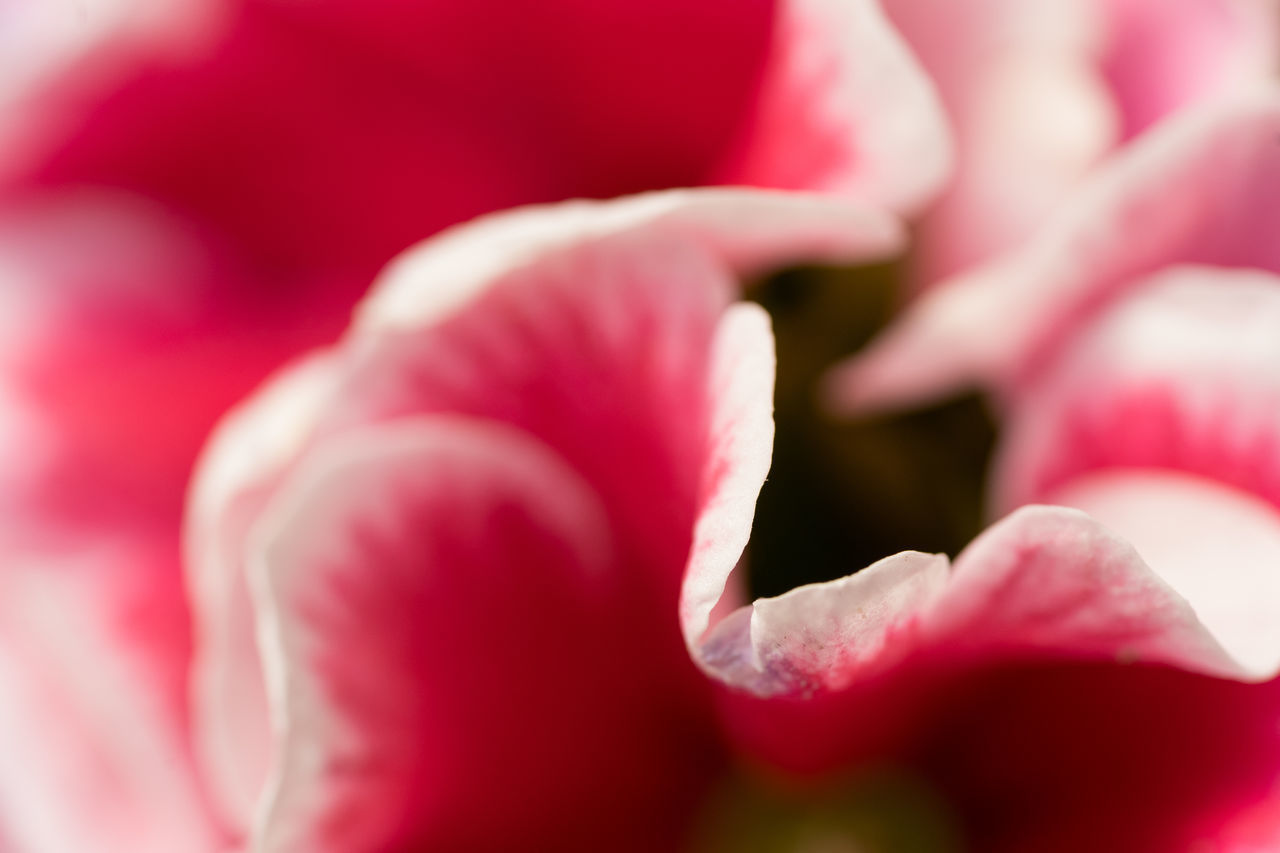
column 748, row 229
column 347, row 469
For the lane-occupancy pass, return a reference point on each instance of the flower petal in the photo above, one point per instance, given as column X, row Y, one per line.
column 1216, row 545
column 385, row 143
column 125, row 328
column 1038, row 91
column 239, row 471
column 1161, row 420
column 420, row 583
column 1190, row 760
column 589, row 327
column 822, row 636
column 1052, row 581
column 740, row 387
column 93, row 648
column 1164, row 55
column 748, row 230
column 530, row 316
column 54, row 56
column 844, row 108
column 1201, row 189
column 1030, row 110
column 847, row 671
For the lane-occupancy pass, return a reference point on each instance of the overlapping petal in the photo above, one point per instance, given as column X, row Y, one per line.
column 1201, row 189
column 1044, row 584
column 146, row 294
column 1031, row 114
column 425, row 581
column 246, row 458
column 1004, row 683
column 534, row 459
column 1039, row 92
column 574, row 332
column 1160, row 420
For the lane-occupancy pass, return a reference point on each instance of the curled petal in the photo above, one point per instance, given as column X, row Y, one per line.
column 820, row 637
column 1044, row 582
column 749, row 230
column 1053, row 581
column 526, row 316
column 740, row 389
column 418, row 584
column 849, row 670
column 240, row 470
column 1161, row 420
column 590, row 329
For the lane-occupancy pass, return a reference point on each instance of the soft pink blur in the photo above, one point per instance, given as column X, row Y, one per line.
column 1040, row 91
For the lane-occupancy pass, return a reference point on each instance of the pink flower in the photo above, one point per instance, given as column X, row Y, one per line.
column 191, row 193
column 517, row 488
column 483, row 546
column 1039, row 91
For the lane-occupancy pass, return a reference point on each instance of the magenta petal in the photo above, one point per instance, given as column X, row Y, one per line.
column 1216, row 545
column 1180, row 374
column 54, row 57
column 585, row 324
column 385, row 142
column 1200, row 189
column 844, row 108
column 1191, row 762
column 126, row 329
column 600, row 332
column 421, row 583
